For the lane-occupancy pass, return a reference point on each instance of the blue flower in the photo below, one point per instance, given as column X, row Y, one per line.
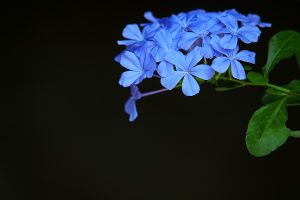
column 233, row 32
column 231, row 58
column 181, row 21
column 187, row 68
column 165, row 43
column 200, row 36
column 136, row 38
column 139, row 68
column 130, row 105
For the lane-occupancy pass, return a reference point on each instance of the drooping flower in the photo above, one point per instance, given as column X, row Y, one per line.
column 232, row 58
column 130, row 105
column 187, row 69
column 139, row 68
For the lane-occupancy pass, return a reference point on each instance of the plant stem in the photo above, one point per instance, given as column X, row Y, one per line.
column 154, row 92
column 278, row 88
column 269, row 85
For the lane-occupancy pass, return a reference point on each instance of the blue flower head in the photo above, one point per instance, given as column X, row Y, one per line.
column 184, row 48
column 232, row 58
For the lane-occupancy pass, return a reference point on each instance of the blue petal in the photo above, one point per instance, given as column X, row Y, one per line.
column 130, row 61
column 134, row 91
column 229, row 41
column 145, row 47
column 126, row 42
column 199, row 27
column 132, row 31
column 216, row 27
column 129, row 77
column 193, row 57
column 130, row 109
column 149, row 16
column 215, row 43
column 203, row 27
column 230, row 22
column 171, row 81
column 246, row 56
column 204, row 72
column 237, row 15
column 220, row 64
column 190, row 87
column 187, row 39
column 178, row 59
column 149, row 65
column 150, row 30
column 163, row 39
column 118, row 57
column 254, row 20
column 158, row 54
column 265, row 25
column 249, row 34
column 207, row 50
column 237, row 70
column 165, row 69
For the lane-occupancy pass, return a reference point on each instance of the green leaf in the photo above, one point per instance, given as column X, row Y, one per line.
column 256, row 78
column 294, row 86
column 266, row 129
column 281, row 46
column 295, row 134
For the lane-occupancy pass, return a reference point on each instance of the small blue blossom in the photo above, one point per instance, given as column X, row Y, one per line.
column 187, row 68
column 139, row 68
column 130, row 105
column 233, row 32
column 232, row 58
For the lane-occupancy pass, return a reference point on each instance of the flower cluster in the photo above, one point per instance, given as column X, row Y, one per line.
column 185, row 48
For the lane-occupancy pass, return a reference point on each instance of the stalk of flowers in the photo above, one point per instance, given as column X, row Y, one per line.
column 185, row 49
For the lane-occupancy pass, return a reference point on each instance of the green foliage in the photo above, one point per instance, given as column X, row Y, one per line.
column 273, row 95
column 266, row 129
column 281, row 46
column 256, row 78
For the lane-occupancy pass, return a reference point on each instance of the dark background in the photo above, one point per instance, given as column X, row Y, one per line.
column 64, row 134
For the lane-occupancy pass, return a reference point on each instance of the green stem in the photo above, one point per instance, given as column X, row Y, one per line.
column 294, row 104
column 278, row 88
column 269, row 85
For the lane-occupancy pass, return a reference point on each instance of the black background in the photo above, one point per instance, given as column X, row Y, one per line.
column 64, row 134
